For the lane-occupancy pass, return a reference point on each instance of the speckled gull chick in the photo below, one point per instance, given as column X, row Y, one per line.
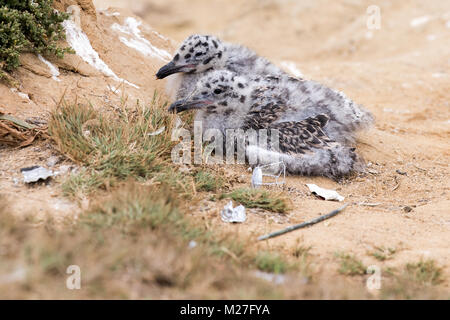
column 224, row 100
column 203, row 53
column 198, row 55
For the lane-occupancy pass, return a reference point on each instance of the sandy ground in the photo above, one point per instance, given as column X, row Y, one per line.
column 399, row 72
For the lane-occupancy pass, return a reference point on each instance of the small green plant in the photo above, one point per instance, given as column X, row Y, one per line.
column 206, row 181
column 300, row 250
column 303, row 262
column 271, row 262
column 135, row 208
column 83, row 182
column 382, row 254
column 180, row 182
column 418, row 280
column 424, row 272
column 259, row 198
column 32, row 26
column 350, row 265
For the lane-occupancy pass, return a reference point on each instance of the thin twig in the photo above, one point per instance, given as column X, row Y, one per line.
column 421, row 169
column 302, row 225
column 368, row 204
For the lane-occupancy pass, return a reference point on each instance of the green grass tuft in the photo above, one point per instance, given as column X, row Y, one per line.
column 300, row 251
column 383, row 254
column 271, row 262
column 350, row 265
column 180, row 182
column 136, row 207
column 424, row 272
column 260, row 198
column 206, row 181
column 112, row 148
column 418, row 280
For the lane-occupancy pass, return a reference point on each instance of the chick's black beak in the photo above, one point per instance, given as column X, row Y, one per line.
column 184, row 105
column 168, row 69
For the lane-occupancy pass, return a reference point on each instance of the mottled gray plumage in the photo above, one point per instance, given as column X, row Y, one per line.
column 304, row 99
column 224, row 100
column 199, row 55
column 203, row 53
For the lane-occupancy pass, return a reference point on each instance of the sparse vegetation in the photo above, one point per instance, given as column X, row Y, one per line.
column 301, row 253
column 182, row 183
column 206, row 181
column 271, row 262
column 136, row 233
column 424, row 272
column 112, row 148
column 300, row 250
column 418, row 280
column 31, row 26
column 136, row 207
column 260, row 198
column 350, row 265
column 382, row 254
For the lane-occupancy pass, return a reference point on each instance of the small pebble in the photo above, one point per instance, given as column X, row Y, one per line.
column 52, row 161
column 407, row 209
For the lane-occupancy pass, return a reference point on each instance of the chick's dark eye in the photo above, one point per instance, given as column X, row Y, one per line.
column 217, row 91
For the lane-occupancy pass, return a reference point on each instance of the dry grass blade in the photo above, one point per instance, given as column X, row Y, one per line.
column 17, row 133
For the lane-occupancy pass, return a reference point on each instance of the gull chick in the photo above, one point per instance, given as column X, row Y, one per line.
column 201, row 54
column 224, row 100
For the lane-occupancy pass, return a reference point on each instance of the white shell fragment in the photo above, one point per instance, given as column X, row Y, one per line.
column 325, row 193
column 34, row 174
column 230, row 214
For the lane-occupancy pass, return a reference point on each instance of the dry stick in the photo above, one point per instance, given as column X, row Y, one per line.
column 302, row 225
column 368, row 204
